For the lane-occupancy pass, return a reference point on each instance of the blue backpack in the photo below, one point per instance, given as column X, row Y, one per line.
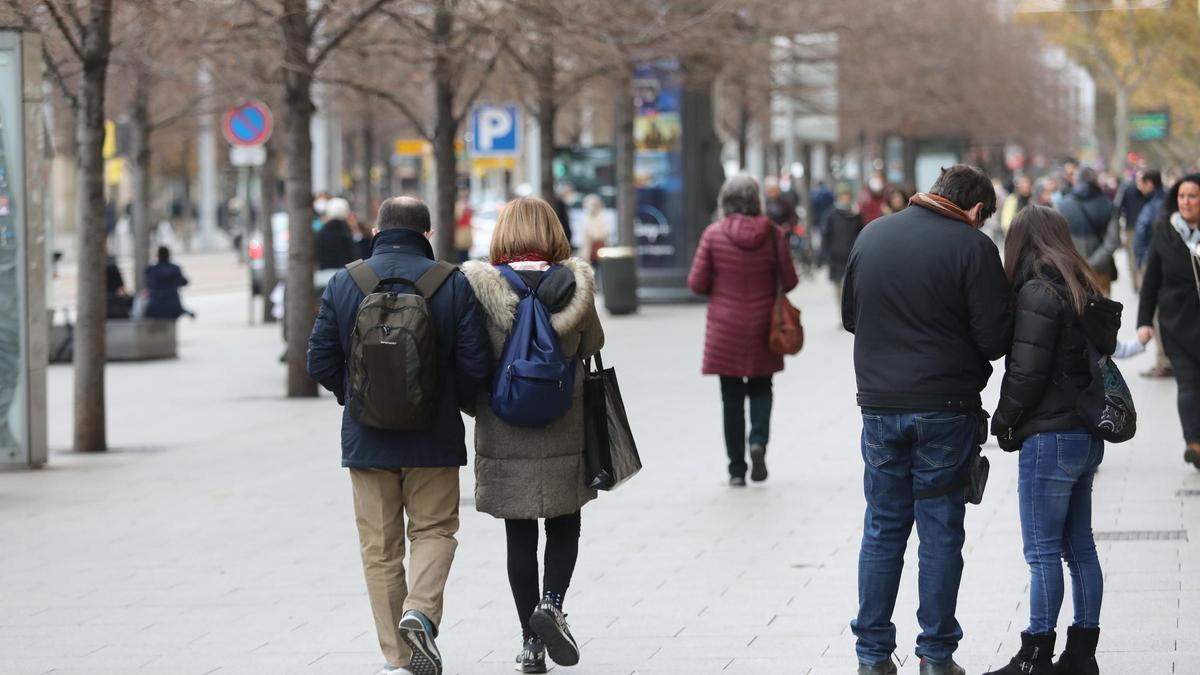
column 534, row 384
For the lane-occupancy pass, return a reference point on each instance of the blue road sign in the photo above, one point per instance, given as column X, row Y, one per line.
column 495, row 130
column 248, row 124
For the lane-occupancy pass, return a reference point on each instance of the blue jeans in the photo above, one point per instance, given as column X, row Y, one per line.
column 906, row 453
column 1055, row 483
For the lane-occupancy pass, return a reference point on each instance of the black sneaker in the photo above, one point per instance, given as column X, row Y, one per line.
column 550, row 624
column 418, row 633
column 737, row 481
column 758, row 463
column 532, row 658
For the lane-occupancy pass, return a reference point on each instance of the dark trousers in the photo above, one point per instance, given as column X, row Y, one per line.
column 734, row 391
column 1187, row 379
column 562, row 550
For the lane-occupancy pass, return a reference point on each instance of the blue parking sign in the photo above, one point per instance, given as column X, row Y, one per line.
column 495, row 130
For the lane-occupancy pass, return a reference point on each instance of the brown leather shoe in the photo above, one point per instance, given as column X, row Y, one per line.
column 1159, row 371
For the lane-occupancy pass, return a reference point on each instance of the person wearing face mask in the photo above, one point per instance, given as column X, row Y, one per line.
column 872, row 200
column 1171, row 285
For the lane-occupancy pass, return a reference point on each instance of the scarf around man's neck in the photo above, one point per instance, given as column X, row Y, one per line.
column 941, row 206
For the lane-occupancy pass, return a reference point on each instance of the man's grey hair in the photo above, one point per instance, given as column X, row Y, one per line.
column 740, row 194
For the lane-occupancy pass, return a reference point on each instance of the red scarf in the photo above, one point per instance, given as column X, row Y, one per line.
column 941, row 206
column 528, row 256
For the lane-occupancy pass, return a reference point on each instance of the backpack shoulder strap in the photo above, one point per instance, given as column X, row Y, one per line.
column 363, row 276
column 518, row 284
column 433, row 278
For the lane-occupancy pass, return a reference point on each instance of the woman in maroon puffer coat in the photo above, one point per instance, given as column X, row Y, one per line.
column 738, row 265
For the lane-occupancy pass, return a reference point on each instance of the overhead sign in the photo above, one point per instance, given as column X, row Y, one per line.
column 495, row 130
column 411, row 147
column 248, row 124
column 1150, row 125
column 247, row 155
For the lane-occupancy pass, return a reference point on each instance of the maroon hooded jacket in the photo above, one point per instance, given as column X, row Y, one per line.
column 735, row 267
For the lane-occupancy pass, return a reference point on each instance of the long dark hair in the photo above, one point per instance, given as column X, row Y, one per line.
column 1039, row 246
column 1171, row 202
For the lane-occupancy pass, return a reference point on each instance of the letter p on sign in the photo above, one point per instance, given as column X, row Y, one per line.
column 494, row 130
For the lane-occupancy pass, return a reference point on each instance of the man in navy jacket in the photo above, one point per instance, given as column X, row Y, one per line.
column 406, row 473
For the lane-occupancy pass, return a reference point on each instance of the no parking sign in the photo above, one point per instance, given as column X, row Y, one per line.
column 248, row 124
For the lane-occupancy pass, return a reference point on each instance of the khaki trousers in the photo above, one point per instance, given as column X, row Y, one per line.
column 429, row 497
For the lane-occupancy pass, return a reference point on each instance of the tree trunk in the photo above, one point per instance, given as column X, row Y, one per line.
column 626, row 192
column 743, row 135
column 445, row 128
column 89, row 349
column 368, row 164
column 266, row 179
column 140, row 173
column 547, row 115
column 301, row 301
column 1121, row 127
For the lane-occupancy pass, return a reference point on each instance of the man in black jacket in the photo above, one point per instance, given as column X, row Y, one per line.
column 411, row 476
column 926, row 297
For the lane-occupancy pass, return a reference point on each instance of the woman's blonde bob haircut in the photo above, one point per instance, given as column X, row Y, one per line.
column 529, row 225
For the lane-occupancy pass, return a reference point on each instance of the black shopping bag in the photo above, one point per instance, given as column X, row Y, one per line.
column 609, row 452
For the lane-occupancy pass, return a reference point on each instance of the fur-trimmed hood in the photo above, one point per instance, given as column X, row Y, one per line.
column 499, row 301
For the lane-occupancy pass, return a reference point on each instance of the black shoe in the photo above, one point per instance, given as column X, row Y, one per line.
column 1079, row 656
column 1035, row 658
column 885, row 668
column 551, row 627
column 418, row 633
column 947, row 668
column 532, row 658
column 737, row 481
column 1192, row 454
column 758, row 462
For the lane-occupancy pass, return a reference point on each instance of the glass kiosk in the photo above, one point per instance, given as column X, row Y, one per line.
column 24, row 330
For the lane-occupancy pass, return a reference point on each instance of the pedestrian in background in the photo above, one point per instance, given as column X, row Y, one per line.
column 1057, row 316
column 821, row 201
column 596, row 229
column 524, row 474
column 1020, row 197
column 464, row 237
column 741, row 262
column 895, row 199
column 163, row 281
column 1143, row 233
column 1093, row 225
column 334, row 242
column 1131, row 199
column 870, row 198
column 400, row 476
column 842, row 227
column 926, row 298
column 1171, row 286
column 1046, row 191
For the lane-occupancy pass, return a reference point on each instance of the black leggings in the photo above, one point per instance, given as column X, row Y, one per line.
column 562, row 549
column 1187, row 379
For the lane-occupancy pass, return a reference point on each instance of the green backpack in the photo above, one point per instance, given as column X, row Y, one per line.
column 393, row 350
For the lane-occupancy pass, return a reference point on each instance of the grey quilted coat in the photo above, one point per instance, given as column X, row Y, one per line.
column 534, row 473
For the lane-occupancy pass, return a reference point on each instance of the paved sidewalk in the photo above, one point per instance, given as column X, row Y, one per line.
column 218, row 536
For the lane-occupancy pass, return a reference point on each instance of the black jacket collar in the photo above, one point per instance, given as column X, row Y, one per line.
column 401, row 240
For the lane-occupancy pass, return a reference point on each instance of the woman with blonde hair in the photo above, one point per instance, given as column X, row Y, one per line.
column 523, row 474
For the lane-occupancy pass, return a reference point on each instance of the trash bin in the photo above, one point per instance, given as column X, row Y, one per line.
column 618, row 278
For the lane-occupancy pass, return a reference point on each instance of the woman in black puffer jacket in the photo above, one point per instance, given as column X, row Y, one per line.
column 1058, row 311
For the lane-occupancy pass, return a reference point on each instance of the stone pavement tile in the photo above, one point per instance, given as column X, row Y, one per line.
column 683, row 666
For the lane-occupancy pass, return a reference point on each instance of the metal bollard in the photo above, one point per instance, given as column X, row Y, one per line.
column 618, row 279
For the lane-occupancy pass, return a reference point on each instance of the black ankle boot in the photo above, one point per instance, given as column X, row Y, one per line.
column 1079, row 656
column 1035, row 658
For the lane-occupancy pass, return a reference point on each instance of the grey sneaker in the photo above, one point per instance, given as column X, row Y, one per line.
column 948, row 668
column 885, row 668
column 532, row 658
column 550, row 624
column 418, row 633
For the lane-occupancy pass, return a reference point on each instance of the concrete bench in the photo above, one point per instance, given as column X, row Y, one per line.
column 125, row 339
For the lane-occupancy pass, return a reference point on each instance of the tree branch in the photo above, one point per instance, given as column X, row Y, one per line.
column 348, row 27
column 387, row 97
column 64, row 28
column 483, row 80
